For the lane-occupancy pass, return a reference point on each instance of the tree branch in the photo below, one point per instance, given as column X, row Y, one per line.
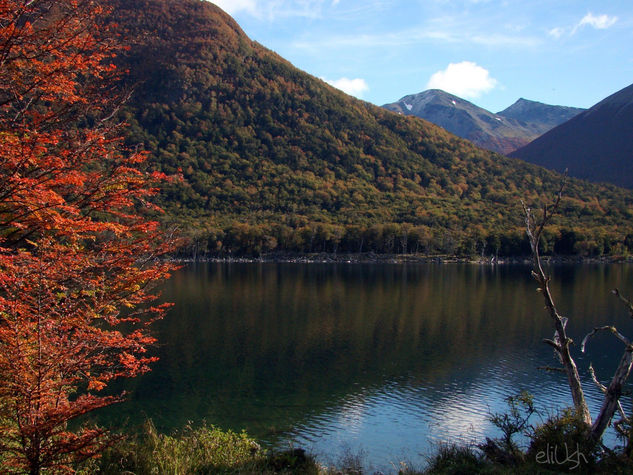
column 603, row 389
column 561, row 342
column 624, row 300
column 553, row 344
column 608, row 328
column 551, row 369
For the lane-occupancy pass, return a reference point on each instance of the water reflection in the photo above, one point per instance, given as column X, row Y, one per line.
column 388, row 358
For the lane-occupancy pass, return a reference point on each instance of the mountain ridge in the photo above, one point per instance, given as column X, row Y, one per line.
column 596, row 145
column 526, row 110
column 502, row 132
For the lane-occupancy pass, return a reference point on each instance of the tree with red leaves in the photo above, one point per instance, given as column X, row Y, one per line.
column 78, row 253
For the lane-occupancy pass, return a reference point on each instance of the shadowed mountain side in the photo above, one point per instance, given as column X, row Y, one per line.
column 596, row 145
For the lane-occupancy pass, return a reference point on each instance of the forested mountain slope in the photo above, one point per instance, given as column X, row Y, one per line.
column 273, row 158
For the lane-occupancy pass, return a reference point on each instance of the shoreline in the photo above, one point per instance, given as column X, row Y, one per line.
column 371, row 258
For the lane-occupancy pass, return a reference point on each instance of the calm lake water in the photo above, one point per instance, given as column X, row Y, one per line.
column 380, row 360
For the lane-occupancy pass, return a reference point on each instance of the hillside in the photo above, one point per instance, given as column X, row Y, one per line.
column 275, row 159
column 596, row 145
column 539, row 117
column 503, row 132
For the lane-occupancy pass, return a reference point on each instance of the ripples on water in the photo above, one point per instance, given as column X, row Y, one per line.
column 405, row 423
column 385, row 360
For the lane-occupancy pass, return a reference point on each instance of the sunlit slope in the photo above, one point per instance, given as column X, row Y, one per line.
column 274, row 158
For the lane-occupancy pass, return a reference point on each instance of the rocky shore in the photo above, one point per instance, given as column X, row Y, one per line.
column 372, row 258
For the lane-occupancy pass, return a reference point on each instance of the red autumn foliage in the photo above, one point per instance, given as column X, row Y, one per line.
column 78, row 254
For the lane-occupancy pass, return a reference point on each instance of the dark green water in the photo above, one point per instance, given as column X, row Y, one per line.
column 385, row 359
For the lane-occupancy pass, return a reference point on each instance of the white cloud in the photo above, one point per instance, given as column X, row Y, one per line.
column 465, row 79
column 335, row 2
column 556, row 32
column 414, row 36
column 600, row 22
column 354, row 87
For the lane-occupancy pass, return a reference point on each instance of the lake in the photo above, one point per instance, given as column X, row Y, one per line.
column 377, row 360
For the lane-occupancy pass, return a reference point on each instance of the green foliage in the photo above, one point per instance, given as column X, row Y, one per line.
column 192, row 451
column 289, row 461
column 453, row 459
column 520, row 409
column 349, row 462
column 275, row 159
column 203, row 450
column 563, row 443
column 560, row 444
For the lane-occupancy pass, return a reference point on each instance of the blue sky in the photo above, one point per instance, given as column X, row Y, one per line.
column 491, row 52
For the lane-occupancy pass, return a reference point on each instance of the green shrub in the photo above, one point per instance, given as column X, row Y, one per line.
column 505, row 450
column 203, row 450
column 350, row 462
column 453, row 459
column 563, row 443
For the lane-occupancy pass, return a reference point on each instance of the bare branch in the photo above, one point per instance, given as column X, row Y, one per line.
column 600, row 386
column 624, row 300
column 603, row 389
column 560, row 342
column 553, row 344
column 611, row 402
column 618, row 425
column 623, row 414
column 608, row 328
column 551, row 369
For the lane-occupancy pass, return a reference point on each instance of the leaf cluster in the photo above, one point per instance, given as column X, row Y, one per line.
column 77, row 258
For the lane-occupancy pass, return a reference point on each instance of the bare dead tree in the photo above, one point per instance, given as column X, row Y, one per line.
column 612, row 393
column 562, row 342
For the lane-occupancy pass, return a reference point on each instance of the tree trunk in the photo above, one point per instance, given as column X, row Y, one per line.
column 612, row 395
column 561, row 342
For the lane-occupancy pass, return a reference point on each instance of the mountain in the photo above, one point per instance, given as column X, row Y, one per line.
column 503, row 132
column 596, row 145
column 273, row 158
column 537, row 116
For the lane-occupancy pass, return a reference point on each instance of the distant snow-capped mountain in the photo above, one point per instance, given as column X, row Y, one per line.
column 503, row 132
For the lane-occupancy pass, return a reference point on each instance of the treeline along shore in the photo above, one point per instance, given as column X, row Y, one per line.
column 401, row 242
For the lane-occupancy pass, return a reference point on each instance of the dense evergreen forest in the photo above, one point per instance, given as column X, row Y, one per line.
column 273, row 159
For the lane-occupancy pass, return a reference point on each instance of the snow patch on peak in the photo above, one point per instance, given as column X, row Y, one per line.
column 408, row 106
column 454, row 103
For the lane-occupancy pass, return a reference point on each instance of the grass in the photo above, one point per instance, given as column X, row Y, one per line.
column 457, row 459
column 209, row 450
column 204, row 450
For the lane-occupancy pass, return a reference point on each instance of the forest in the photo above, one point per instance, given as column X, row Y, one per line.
column 271, row 159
